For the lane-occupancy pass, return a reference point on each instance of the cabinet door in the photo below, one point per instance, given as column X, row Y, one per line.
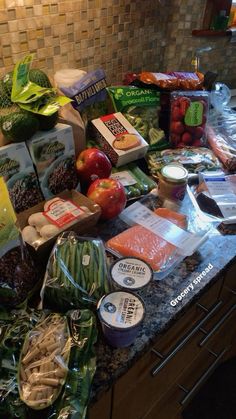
column 102, row 408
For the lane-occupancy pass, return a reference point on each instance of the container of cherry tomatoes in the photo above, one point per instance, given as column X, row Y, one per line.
column 188, row 117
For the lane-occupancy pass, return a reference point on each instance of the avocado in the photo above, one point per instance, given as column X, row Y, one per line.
column 5, row 100
column 47, row 122
column 19, row 126
column 39, row 77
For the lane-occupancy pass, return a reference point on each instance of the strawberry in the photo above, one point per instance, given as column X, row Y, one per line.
column 176, row 114
column 177, row 127
column 198, row 133
column 175, row 139
column 184, row 104
column 197, row 143
column 186, row 138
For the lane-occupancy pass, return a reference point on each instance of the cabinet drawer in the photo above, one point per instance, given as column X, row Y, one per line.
column 188, row 384
column 143, row 386
column 219, row 326
column 229, row 284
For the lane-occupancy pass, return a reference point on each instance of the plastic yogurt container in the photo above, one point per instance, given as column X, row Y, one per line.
column 130, row 273
column 121, row 314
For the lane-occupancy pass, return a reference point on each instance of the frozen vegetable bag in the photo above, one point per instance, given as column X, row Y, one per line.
column 47, row 364
column 141, row 107
column 18, row 275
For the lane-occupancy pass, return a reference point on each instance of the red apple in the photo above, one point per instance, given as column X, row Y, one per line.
column 92, row 164
column 110, row 195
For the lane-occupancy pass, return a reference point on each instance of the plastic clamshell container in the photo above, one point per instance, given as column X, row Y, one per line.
column 121, row 314
column 130, row 273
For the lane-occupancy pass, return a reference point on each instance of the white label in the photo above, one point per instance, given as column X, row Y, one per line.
column 218, row 186
column 124, row 177
column 85, row 260
column 61, row 212
column 139, row 214
column 131, row 273
column 121, row 309
column 222, row 190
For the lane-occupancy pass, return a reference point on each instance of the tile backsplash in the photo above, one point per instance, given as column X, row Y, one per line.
column 117, row 35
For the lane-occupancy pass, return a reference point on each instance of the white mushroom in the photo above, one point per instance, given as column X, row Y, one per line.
column 30, row 235
column 49, row 231
column 38, row 220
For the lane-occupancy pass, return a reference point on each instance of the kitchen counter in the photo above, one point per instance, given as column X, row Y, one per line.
column 161, row 310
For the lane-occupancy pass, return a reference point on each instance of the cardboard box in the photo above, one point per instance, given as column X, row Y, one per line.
column 119, row 139
column 53, row 154
column 80, row 226
column 17, row 169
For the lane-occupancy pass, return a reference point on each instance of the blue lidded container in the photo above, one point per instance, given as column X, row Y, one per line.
column 121, row 315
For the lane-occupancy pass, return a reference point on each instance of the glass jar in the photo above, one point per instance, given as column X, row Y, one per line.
column 173, row 182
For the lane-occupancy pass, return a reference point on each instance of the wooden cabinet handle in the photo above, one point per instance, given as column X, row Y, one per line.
column 182, row 342
column 217, row 325
column 195, row 388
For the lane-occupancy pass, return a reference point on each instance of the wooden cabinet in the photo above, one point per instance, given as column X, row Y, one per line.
column 162, row 383
column 165, row 379
column 102, row 408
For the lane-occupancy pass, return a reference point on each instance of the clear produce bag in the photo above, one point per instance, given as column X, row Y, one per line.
column 76, row 273
column 47, row 364
column 160, row 236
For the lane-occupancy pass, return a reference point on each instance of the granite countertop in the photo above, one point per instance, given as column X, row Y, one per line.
column 219, row 251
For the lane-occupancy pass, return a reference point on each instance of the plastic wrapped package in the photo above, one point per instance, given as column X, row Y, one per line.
column 214, row 197
column 89, row 95
column 221, row 136
column 194, row 159
column 173, row 80
column 158, row 235
column 188, row 117
column 76, row 273
column 47, row 365
column 18, row 274
column 134, row 180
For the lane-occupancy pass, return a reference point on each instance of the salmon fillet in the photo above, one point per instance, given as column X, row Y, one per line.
column 138, row 241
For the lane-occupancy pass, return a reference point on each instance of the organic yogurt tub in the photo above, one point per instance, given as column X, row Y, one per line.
column 121, row 314
column 130, row 273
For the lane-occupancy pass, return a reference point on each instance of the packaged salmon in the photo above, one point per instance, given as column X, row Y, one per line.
column 160, row 236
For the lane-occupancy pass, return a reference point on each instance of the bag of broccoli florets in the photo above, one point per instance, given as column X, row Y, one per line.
column 141, row 107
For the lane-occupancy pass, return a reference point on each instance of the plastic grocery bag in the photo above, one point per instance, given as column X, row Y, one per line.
column 18, row 274
column 47, row 364
column 76, row 273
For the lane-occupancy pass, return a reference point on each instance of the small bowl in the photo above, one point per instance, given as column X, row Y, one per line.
column 121, row 314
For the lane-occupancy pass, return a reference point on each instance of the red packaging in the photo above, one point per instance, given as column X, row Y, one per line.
column 188, row 117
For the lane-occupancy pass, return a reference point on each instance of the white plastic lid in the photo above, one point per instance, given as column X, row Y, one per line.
column 174, row 172
column 69, row 76
column 131, row 273
column 121, row 310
